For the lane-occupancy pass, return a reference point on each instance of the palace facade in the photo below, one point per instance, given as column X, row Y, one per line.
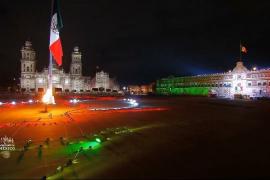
column 238, row 83
column 74, row 81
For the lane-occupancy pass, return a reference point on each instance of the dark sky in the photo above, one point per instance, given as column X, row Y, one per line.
column 142, row 40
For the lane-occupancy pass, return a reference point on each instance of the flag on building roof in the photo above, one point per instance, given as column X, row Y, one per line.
column 243, row 49
column 55, row 42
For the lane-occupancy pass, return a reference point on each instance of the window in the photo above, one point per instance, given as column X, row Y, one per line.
column 259, row 84
column 249, row 84
column 27, row 69
column 264, row 83
column 254, row 76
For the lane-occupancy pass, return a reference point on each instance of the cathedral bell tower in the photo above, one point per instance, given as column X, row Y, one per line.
column 28, row 67
column 76, row 62
column 28, row 63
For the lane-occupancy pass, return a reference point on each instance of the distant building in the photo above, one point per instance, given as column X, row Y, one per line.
column 74, row 81
column 102, row 80
column 240, row 82
column 140, row 89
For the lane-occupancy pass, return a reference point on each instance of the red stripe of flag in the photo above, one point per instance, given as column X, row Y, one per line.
column 56, row 50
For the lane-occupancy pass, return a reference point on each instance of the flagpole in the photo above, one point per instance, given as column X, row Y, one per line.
column 48, row 98
column 50, row 72
column 55, row 50
column 50, row 58
column 240, row 51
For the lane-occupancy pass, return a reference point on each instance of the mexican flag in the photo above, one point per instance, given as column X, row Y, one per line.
column 55, row 42
column 243, row 49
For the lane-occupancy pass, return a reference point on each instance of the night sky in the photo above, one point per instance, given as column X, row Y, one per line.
column 140, row 41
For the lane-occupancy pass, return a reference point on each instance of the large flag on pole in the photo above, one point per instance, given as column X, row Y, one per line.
column 55, row 42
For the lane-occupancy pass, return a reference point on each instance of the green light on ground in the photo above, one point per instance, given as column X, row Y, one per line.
column 85, row 146
column 98, row 140
column 92, row 144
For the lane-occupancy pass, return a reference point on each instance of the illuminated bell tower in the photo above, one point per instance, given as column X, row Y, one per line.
column 239, row 78
column 28, row 67
column 76, row 62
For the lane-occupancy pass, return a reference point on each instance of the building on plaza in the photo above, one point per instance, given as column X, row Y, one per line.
column 140, row 89
column 238, row 83
column 74, row 81
column 102, row 80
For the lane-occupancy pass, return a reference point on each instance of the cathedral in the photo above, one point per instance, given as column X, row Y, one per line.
column 74, row 81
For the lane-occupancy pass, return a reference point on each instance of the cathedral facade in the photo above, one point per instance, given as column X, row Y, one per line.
column 74, row 81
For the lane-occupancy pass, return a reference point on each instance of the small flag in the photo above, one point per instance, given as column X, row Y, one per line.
column 243, row 49
column 55, row 42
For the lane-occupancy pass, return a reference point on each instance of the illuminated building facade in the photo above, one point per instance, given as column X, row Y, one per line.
column 240, row 82
column 102, row 80
column 74, row 81
column 140, row 90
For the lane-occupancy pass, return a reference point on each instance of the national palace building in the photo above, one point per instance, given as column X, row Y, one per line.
column 74, row 81
column 240, row 82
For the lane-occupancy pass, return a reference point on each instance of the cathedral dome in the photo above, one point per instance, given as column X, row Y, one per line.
column 76, row 49
column 28, row 44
